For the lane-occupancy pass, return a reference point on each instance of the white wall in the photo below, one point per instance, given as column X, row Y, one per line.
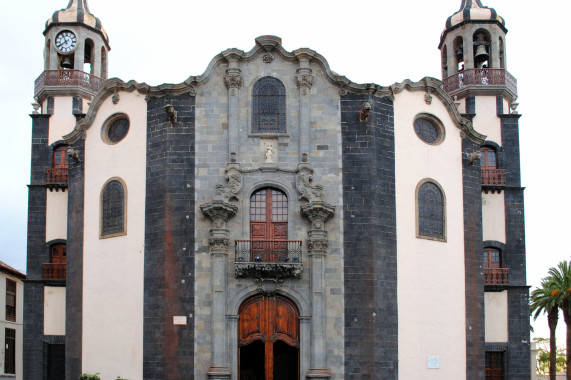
column 56, row 215
column 486, row 121
column 494, row 217
column 113, row 307
column 431, row 284
column 62, row 121
column 496, row 309
column 54, row 310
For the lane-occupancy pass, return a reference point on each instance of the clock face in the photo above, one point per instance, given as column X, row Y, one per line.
column 65, row 41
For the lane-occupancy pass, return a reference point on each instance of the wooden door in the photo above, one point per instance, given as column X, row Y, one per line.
column 60, row 157
column 492, row 258
column 268, row 225
column 58, row 254
column 494, row 366
column 268, row 338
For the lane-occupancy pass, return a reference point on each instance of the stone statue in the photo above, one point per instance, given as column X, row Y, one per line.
column 270, row 153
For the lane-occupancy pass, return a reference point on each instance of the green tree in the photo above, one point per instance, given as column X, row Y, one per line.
column 560, row 278
column 543, row 352
column 545, row 300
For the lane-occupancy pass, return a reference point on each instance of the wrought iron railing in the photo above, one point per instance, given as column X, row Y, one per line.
column 268, row 251
column 480, row 77
column 493, row 177
column 56, row 176
column 71, row 78
column 54, row 271
column 496, row 276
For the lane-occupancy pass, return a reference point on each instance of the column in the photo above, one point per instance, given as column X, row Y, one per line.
column 233, row 81
column 304, row 82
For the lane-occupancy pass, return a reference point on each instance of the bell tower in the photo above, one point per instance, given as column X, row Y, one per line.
column 473, row 53
column 75, row 54
column 75, row 67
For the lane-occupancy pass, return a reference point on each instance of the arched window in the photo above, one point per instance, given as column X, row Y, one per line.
column 268, row 106
column 488, row 158
column 113, row 209
column 492, row 258
column 430, row 211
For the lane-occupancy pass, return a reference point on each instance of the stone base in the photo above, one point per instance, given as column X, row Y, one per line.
column 318, row 373
column 219, row 373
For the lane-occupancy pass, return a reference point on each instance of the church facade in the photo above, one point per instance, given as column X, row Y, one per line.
column 271, row 219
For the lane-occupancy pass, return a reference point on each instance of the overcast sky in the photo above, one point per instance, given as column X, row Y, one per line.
column 378, row 41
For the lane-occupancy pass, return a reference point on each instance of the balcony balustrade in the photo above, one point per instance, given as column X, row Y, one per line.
column 68, row 78
column 493, row 178
column 56, row 178
column 268, row 258
column 55, row 271
column 480, row 77
column 496, row 276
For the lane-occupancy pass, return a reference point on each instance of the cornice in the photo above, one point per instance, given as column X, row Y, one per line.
column 272, row 44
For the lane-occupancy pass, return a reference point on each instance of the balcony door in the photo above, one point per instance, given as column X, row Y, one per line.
column 492, row 258
column 268, row 337
column 268, row 225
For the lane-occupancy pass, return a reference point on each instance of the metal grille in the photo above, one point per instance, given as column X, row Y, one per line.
column 268, row 106
column 430, row 211
column 113, row 209
column 118, row 129
column 426, row 130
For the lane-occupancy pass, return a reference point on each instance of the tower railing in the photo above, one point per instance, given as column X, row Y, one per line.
column 68, row 78
column 480, row 77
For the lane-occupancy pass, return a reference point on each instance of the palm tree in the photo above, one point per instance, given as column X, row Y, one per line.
column 545, row 300
column 560, row 277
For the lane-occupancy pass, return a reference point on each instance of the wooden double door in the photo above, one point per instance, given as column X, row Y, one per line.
column 268, row 338
column 268, row 225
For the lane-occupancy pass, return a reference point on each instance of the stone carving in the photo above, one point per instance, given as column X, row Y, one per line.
column 318, row 212
column 233, row 80
column 428, row 97
column 269, row 153
column 304, row 183
column 268, row 271
column 513, row 106
column 115, row 98
column 218, row 244
column 219, row 212
column 192, row 91
column 269, row 286
column 474, row 157
column 230, row 190
column 456, row 102
column 365, row 111
column 171, row 113
column 342, row 91
column 318, row 246
column 304, row 80
column 268, row 57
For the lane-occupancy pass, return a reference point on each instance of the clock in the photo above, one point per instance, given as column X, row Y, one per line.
column 65, row 41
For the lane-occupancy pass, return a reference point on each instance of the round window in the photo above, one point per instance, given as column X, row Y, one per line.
column 115, row 129
column 428, row 130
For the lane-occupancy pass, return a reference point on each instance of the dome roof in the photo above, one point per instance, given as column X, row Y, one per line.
column 475, row 11
column 77, row 11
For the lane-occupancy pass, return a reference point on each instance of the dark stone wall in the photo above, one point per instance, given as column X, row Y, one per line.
column 473, row 246
column 513, row 256
column 74, row 280
column 168, row 351
column 370, row 262
column 37, row 254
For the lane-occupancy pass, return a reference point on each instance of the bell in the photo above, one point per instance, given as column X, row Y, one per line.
column 66, row 64
column 460, row 54
column 481, row 54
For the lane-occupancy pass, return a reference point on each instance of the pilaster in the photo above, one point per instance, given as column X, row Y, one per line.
column 304, row 82
column 233, row 81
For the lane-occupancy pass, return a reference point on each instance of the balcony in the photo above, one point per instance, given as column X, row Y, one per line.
column 496, row 276
column 268, row 258
column 54, row 271
column 483, row 79
column 493, row 179
column 56, row 178
column 62, row 81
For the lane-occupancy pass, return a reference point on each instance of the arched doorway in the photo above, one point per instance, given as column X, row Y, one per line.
column 268, row 339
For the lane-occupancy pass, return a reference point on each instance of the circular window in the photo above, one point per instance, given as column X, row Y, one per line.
column 115, row 129
column 428, row 129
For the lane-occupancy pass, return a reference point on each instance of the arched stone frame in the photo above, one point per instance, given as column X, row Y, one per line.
column 499, row 152
column 417, row 211
column 290, row 194
column 435, row 120
column 489, row 47
column 458, row 43
column 444, row 61
column 125, row 214
column 249, row 106
column 89, row 45
column 107, row 124
column 232, row 317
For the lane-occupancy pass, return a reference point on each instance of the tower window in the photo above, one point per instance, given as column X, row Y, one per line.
column 10, row 300
column 430, row 212
column 268, row 106
column 113, row 209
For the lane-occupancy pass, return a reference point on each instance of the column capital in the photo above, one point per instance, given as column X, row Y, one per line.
column 233, row 80
column 304, row 80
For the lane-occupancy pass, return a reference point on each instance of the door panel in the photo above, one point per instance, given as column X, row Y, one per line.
column 268, row 225
column 272, row 322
